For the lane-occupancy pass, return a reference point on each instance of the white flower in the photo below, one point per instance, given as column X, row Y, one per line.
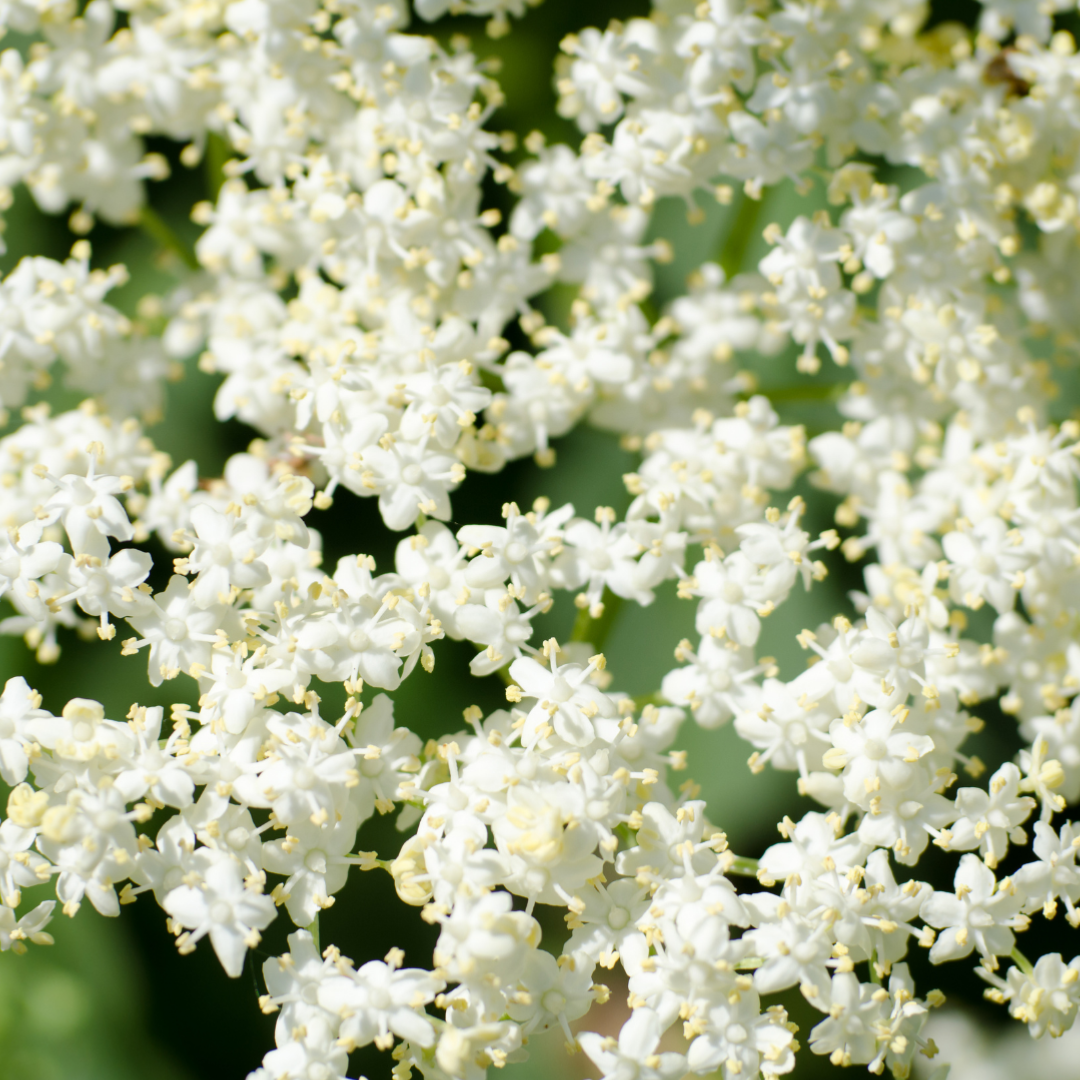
column 222, row 906
column 876, row 753
column 988, row 562
column 25, row 559
column 979, row 916
column 381, row 330
column 1045, row 998
column 633, row 1055
column 88, row 509
column 224, row 554
column 551, row 991
column 379, row 1001
column 499, row 624
column 178, row 631
column 307, row 769
column 549, row 840
column 734, row 594
column 669, row 845
column 19, row 866
column 152, row 767
column 89, row 838
column 604, row 922
column 793, row 949
column 714, row 685
column 15, row 931
column 989, row 820
column 236, row 689
column 740, row 1039
column 1054, row 874
column 869, row 1025
column 567, row 701
column 314, row 861
column 411, row 480
column 19, row 706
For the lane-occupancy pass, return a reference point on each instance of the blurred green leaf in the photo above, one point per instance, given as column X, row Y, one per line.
column 75, row 1010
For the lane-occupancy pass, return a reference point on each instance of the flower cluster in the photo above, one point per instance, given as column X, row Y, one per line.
column 359, row 298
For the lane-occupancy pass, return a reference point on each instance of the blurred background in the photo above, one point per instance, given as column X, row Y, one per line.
column 112, row 999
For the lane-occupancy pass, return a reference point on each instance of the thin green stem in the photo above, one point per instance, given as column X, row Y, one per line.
column 746, row 213
column 655, row 698
column 1021, row 961
column 218, row 152
column 810, row 393
column 874, row 976
column 596, row 631
column 313, row 930
column 155, row 226
column 743, row 866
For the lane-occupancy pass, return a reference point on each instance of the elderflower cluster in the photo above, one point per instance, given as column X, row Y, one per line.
column 384, row 331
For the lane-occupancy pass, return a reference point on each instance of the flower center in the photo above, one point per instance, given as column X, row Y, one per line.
column 732, row 592
column 561, row 690
column 304, row 778
column 875, row 749
column 553, row 1002
column 841, row 669
column 221, row 912
column 599, row 559
column 237, row 838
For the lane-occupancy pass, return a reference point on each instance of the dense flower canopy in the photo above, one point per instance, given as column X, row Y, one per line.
column 375, row 321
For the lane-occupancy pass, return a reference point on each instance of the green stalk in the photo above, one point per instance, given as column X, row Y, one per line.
column 874, row 976
column 746, row 213
column 313, row 930
column 156, row 227
column 744, row 867
column 656, row 698
column 810, row 393
column 1021, row 961
column 596, row 631
column 218, row 152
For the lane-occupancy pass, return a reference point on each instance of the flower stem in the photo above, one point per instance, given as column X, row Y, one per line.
column 218, row 152
column 743, row 866
column 650, row 699
column 313, row 930
column 596, row 631
column 824, row 392
column 1021, row 961
column 745, row 216
column 155, row 226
